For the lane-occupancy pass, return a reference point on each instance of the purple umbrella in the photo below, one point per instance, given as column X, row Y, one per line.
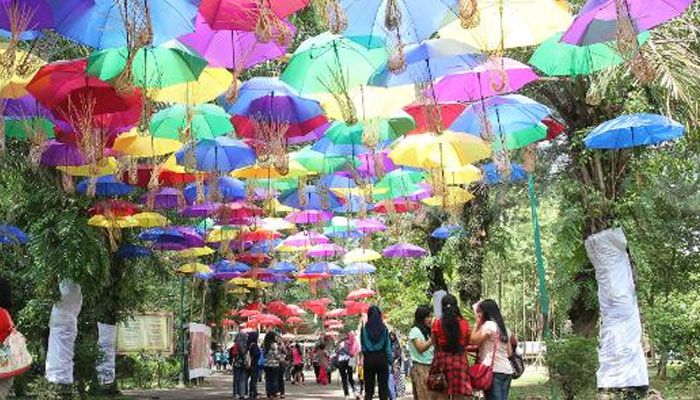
column 60, row 154
column 190, row 238
column 36, row 14
column 311, row 136
column 308, row 216
column 164, row 199
column 224, row 276
column 199, row 210
column 26, row 107
column 404, row 250
column 169, row 246
column 368, row 163
column 305, row 238
column 237, row 50
column 326, row 250
column 597, row 21
column 492, row 77
column 369, row 225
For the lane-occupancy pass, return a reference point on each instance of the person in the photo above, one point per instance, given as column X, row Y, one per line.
column 451, row 335
column 342, row 360
column 323, row 365
column 283, row 365
column 254, row 351
column 420, row 349
column 397, row 366
column 273, row 358
column 297, row 365
column 361, row 372
column 314, row 362
column 493, row 339
column 376, row 351
column 6, row 325
column 239, row 353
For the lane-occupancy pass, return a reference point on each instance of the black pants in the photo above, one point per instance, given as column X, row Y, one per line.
column 280, row 382
column 272, row 381
column 376, row 371
column 345, row 371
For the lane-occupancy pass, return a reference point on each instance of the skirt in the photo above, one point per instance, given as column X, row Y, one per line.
column 456, row 370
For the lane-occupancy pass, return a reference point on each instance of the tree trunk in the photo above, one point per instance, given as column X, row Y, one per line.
column 476, row 221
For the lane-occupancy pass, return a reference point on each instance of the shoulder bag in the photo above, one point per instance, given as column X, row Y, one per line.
column 14, row 356
column 437, row 381
column 481, row 375
column 516, row 361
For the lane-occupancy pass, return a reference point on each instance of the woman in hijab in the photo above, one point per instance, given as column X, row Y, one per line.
column 376, row 352
column 254, row 351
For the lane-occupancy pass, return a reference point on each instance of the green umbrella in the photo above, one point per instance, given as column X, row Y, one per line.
column 152, row 67
column 388, row 130
column 26, row 128
column 279, row 184
column 398, row 183
column 321, row 61
column 320, row 163
column 519, row 139
column 555, row 58
column 207, row 121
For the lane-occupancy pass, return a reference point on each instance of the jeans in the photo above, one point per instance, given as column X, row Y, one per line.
column 240, row 382
column 253, row 388
column 500, row 387
column 272, row 381
column 345, row 371
column 376, row 371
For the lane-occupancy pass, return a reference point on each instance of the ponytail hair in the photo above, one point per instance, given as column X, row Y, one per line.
column 450, row 323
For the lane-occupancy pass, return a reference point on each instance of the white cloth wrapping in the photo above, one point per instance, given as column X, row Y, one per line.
column 107, row 341
column 620, row 351
column 63, row 326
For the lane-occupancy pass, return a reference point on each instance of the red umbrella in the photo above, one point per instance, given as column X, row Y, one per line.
column 294, row 320
column 259, row 235
column 337, row 313
column 165, row 178
column 237, row 213
column 114, row 208
column 228, row 322
column 332, row 322
column 554, row 128
column 356, row 307
column 232, row 313
column 248, row 313
column 360, row 294
column 267, row 320
column 448, row 113
column 245, row 15
column 278, row 307
column 253, row 258
column 400, row 206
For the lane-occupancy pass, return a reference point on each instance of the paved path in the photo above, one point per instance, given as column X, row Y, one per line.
column 218, row 386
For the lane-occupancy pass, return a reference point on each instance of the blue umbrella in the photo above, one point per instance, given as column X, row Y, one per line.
column 342, row 233
column 10, row 234
column 359, row 268
column 232, row 189
column 314, row 199
column 419, row 20
column 329, row 149
column 323, row 267
column 161, row 234
column 283, row 267
column 106, row 185
column 633, row 130
column 101, row 23
column 428, row 61
column 230, row 266
column 265, row 246
column 446, row 231
column 493, row 176
column 353, row 204
column 128, row 250
column 222, row 154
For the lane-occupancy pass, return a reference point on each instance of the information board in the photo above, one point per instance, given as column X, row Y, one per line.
column 148, row 333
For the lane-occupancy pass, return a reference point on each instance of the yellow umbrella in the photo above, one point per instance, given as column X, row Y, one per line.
column 150, row 219
column 23, row 71
column 101, row 221
column 220, row 234
column 453, row 197
column 369, row 101
column 283, row 248
column 431, row 151
column 360, row 255
column 136, row 144
column 274, row 204
column 241, row 281
column 193, row 268
column 239, row 290
column 196, row 252
column 106, row 166
column 211, row 83
column 276, row 224
column 463, row 175
column 505, row 24
column 256, row 171
column 258, row 285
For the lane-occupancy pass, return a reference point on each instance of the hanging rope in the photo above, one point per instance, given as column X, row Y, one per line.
column 469, row 16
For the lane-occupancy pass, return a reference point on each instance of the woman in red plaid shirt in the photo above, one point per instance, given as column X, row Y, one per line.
column 451, row 336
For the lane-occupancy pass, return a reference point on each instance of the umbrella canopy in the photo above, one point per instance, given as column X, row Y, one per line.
column 427, row 115
column 60, row 154
column 128, row 250
column 492, row 77
column 305, row 238
column 114, row 207
column 326, row 250
column 35, row 14
column 597, row 21
column 359, row 268
column 106, row 186
column 231, row 189
column 398, row 206
column 433, row 151
column 506, row 24
column 230, row 266
column 633, row 130
column 445, row 231
column 367, row 101
column 203, row 121
column 103, row 24
column 463, row 175
column 492, row 175
column 237, row 213
column 211, row 83
column 247, row 14
column 306, row 217
column 360, row 294
column 10, row 234
column 320, row 61
column 370, row 225
column 164, row 198
column 222, row 154
column 283, row 267
column 556, row 58
column 453, row 196
column 138, row 144
column 360, row 255
column 311, row 198
column 191, row 268
column 404, row 250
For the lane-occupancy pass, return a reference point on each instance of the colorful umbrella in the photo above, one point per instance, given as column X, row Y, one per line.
column 222, row 154
column 191, row 268
column 432, row 151
column 164, row 198
column 463, row 175
column 360, row 294
column 369, row 225
column 61, row 154
column 429, row 115
column 305, row 217
column 399, row 206
column 230, row 266
column 453, row 196
column 150, row 220
column 237, row 213
column 230, row 189
column 106, row 186
column 325, row 250
column 368, row 102
column 128, row 250
column 28, row 14
column 211, row 83
column 283, row 267
column 360, row 255
column 492, row 175
column 10, row 234
column 492, row 77
column 446, row 231
column 305, row 238
column 404, row 250
column 598, row 20
column 247, row 15
column 311, row 198
column 137, row 144
column 633, row 130
column 359, row 268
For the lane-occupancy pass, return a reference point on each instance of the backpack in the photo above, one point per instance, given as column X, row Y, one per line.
column 516, row 360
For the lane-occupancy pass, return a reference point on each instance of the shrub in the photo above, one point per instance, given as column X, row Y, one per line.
column 573, row 362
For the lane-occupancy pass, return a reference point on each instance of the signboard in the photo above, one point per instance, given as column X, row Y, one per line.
column 200, row 350
column 149, row 333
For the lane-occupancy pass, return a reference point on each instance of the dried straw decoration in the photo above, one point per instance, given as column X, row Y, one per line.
column 529, row 158
column 469, row 16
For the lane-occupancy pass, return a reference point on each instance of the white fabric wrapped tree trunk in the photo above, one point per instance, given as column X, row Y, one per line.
column 620, row 352
column 107, row 341
column 63, row 326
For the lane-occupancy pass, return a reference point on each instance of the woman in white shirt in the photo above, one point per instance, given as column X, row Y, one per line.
column 491, row 332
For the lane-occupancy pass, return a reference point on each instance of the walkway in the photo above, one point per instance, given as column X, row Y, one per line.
column 218, row 386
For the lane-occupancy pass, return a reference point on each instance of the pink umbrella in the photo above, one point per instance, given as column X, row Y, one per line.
column 305, row 238
column 332, row 322
column 337, row 313
column 404, row 250
column 492, row 77
column 248, row 313
column 308, row 216
column 278, row 307
column 294, row 320
column 369, row 225
column 356, row 307
column 247, row 15
column 360, row 294
column 326, row 250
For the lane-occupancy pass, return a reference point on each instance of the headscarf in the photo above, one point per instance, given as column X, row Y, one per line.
column 241, row 341
column 351, row 344
column 375, row 325
column 253, row 338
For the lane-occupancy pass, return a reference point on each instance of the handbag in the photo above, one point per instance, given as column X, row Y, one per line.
column 517, row 362
column 481, row 375
column 437, row 381
column 14, row 356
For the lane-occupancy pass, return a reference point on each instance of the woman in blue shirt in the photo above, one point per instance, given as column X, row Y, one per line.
column 376, row 352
